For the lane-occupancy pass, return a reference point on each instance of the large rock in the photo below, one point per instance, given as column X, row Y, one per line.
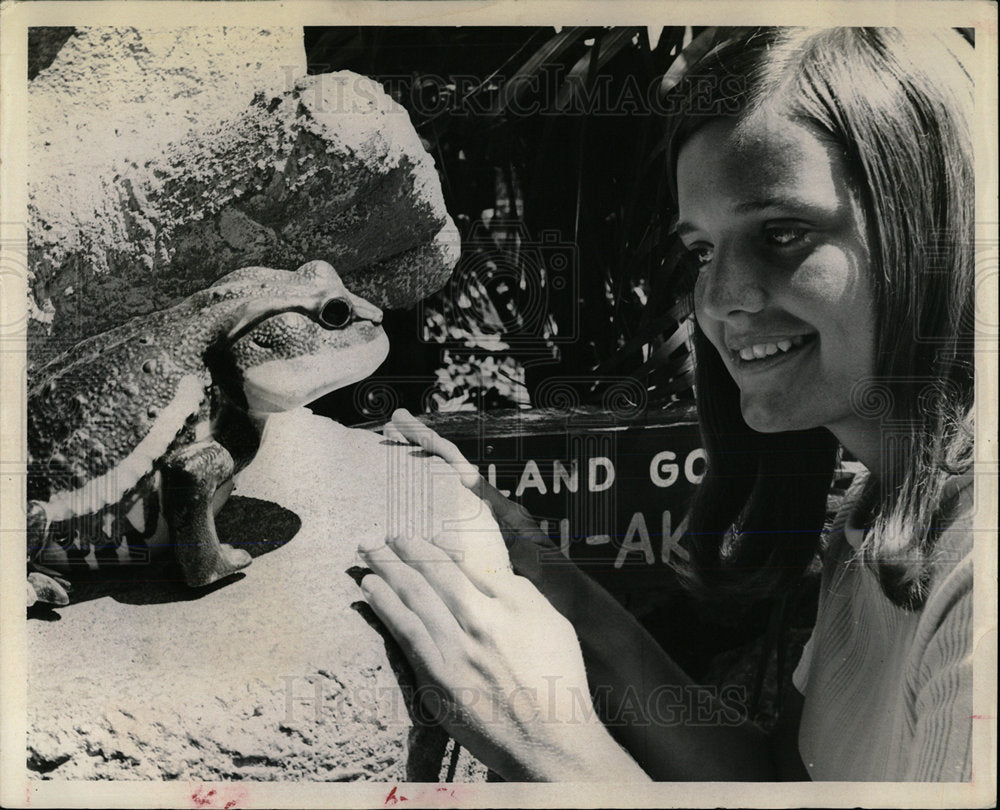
column 163, row 160
column 271, row 676
column 127, row 92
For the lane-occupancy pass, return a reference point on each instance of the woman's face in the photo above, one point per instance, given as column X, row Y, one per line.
column 783, row 289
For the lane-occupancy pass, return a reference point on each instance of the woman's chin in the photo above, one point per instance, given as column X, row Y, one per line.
column 768, row 420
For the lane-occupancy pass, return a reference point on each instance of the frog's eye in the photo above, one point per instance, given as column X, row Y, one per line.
column 336, row 313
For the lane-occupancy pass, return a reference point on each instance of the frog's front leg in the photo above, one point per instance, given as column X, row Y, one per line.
column 191, row 477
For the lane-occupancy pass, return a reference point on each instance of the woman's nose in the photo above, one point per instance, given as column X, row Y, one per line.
column 729, row 286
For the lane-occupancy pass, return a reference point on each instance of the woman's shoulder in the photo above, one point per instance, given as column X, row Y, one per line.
column 953, row 548
column 954, row 535
column 846, row 530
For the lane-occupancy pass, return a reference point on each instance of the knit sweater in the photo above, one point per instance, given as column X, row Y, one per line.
column 888, row 692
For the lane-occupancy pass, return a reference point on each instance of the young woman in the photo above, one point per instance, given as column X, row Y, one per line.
column 824, row 188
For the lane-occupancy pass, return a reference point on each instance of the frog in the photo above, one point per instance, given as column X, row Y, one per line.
column 135, row 435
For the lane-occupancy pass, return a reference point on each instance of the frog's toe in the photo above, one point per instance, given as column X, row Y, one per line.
column 227, row 561
column 235, row 558
column 43, row 588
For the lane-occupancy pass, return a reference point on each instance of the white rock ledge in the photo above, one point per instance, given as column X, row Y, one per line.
column 273, row 675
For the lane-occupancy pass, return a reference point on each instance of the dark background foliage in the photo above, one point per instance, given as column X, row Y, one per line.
column 549, row 145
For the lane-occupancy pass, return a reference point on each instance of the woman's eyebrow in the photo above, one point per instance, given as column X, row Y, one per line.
column 748, row 206
column 683, row 228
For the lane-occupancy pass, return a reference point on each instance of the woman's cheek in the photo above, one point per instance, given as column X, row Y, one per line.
column 698, row 300
column 709, row 327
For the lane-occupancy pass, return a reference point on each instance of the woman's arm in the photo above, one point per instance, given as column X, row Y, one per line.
column 470, row 633
column 675, row 729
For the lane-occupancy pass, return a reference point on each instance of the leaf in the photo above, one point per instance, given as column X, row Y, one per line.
column 521, row 82
column 674, row 317
column 698, row 47
column 662, row 354
column 580, row 77
column 671, row 40
column 682, row 381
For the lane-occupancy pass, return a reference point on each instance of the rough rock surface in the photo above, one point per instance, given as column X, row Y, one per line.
column 163, row 160
column 129, row 92
column 271, row 675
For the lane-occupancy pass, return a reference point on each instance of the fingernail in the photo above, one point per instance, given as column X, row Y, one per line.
column 470, row 477
column 393, row 435
column 368, row 545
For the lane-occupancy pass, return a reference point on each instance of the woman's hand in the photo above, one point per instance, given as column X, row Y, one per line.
column 532, row 554
column 496, row 665
column 624, row 664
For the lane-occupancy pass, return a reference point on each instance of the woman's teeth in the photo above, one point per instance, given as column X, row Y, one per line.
column 759, row 350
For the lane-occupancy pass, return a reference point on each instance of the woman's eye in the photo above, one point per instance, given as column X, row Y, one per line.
column 785, row 235
column 700, row 255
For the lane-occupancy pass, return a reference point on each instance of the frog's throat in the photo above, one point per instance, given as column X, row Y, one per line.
column 275, row 386
column 112, row 486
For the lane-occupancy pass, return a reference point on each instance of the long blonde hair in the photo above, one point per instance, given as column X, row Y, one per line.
column 899, row 103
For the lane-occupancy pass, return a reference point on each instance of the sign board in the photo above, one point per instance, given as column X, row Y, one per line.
column 611, row 492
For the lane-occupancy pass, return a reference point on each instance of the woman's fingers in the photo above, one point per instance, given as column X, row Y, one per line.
column 483, row 559
column 464, row 596
column 513, row 518
column 415, row 593
column 417, row 432
column 527, row 544
column 392, row 434
column 510, row 515
column 406, row 627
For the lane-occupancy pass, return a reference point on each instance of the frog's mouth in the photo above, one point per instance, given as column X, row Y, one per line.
column 281, row 385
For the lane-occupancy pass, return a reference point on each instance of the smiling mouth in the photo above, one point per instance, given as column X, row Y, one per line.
column 764, row 355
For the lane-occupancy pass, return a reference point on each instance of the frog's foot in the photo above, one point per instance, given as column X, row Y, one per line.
column 191, row 477
column 46, row 589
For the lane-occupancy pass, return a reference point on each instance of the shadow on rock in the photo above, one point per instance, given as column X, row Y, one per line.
column 252, row 524
column 428, row 742
column 255, row 525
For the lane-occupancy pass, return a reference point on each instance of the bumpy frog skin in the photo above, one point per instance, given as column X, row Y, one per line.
column 134, row 435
